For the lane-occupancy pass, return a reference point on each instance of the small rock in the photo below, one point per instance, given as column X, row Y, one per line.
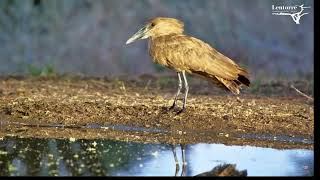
column 225, row 117
column 240, row 100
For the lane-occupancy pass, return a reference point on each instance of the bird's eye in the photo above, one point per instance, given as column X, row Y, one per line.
column 153, row 24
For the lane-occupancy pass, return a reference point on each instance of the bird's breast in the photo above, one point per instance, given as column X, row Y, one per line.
column 157, row 52
column 166, row 52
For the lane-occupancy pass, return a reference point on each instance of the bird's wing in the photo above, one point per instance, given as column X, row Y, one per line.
column 193, row 55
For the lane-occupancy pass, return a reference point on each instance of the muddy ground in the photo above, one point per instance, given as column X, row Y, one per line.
column 30, row 107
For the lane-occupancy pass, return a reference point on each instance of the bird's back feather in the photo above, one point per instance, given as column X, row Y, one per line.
column 184, row 53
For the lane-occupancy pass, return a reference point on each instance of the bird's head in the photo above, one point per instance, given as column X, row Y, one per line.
column 159, row 26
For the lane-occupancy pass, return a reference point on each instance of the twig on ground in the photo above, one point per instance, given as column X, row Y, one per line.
column 301, row 93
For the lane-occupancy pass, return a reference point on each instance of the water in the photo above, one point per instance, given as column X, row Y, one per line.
column 32, row 156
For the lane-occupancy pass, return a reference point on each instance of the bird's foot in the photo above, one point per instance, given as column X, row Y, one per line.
column 181, row 111
column 166, row 109
column 172, row 107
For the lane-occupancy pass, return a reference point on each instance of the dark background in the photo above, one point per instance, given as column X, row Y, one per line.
column 88, row 36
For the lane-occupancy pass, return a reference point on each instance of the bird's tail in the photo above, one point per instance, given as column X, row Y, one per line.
column 232, row 85
column 243, row 77
column 235, row 85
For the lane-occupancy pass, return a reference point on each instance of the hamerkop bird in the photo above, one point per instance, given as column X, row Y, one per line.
column 169, row 47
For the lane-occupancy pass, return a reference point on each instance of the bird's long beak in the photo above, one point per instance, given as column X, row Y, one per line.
column 141, row 34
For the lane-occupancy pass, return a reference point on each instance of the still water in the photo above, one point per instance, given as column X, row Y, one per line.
column 32, row 156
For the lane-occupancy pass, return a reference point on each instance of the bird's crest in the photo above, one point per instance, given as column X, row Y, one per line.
column 169, row 24
column 166, row 19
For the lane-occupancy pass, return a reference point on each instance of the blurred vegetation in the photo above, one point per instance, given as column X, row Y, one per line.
column 159, row 68
column 43, row 157
column 47, row 70
column 255, row 86
column 88, row 36
column 165, row 81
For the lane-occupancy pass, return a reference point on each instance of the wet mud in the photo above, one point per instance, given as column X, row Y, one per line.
column 87, row 108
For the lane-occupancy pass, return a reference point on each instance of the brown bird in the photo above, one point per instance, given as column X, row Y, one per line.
column 169, row 47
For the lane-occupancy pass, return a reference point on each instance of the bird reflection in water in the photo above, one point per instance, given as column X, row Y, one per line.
column 184, row 162
column 220, row 170
column 224, row 170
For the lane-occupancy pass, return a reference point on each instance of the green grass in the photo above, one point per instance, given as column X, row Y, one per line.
column 166, row 81
column 47, row 70
column 256, row 86
column 159, row 68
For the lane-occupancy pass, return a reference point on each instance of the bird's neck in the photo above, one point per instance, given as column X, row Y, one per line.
column 163, row 35
column 154, row 39
column 160, row 36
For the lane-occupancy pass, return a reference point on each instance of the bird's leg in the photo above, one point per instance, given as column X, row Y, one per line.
column 186, row 86
column 178, row 92
column 184, row 162
column 175, row 158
